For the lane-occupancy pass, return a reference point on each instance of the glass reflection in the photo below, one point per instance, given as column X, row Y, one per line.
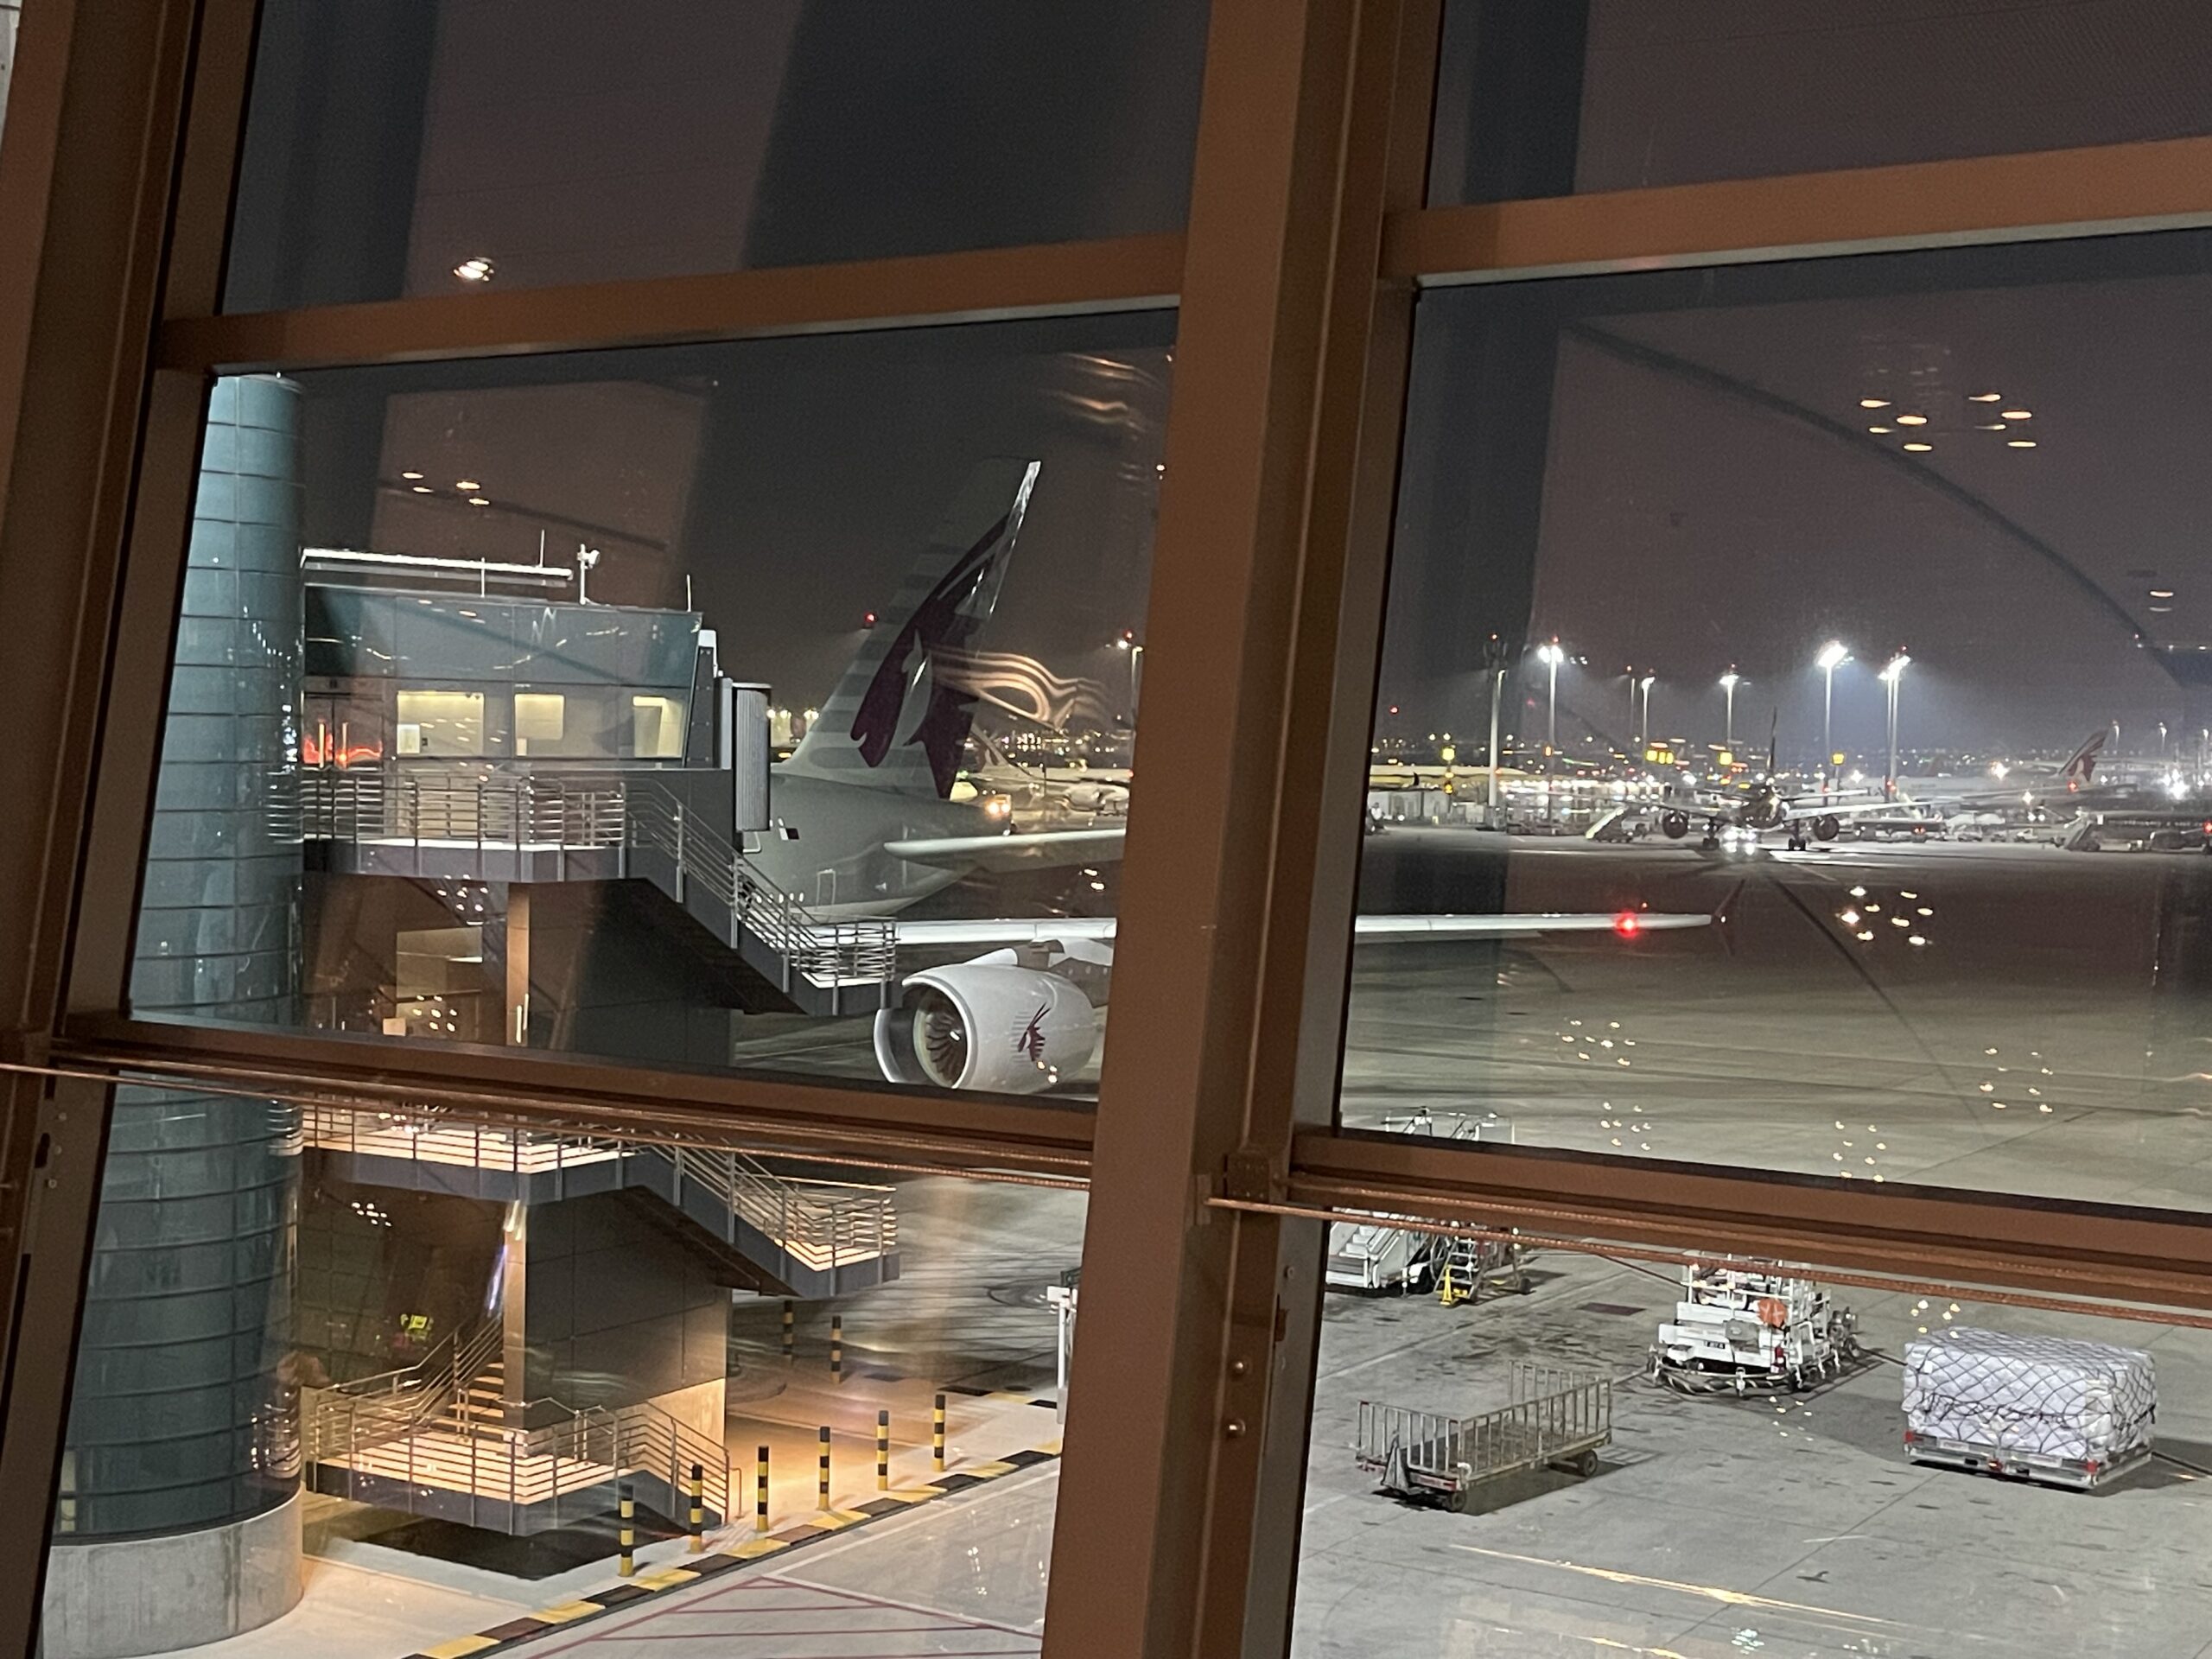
column 1629, row 1458
column 455, row 146
column 765, row 705
column 1850, row 607
column 1591, row 95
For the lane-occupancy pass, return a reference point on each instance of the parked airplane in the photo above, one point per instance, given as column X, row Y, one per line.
column 861, row 825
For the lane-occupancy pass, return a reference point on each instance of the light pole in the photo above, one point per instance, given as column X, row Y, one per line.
column 1833, row 656
column 1549, row 654
column 1496, row 696
column 1129, row 642
column 1643, row 731
column 1729, row 682
column 1893, row 677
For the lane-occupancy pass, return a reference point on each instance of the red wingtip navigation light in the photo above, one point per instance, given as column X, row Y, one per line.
column 1628, row 925
column 867, row 618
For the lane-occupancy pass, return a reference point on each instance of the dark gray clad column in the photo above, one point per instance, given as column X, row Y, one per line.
column 176, row 1524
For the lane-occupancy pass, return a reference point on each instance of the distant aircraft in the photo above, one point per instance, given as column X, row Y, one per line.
column 861, row 825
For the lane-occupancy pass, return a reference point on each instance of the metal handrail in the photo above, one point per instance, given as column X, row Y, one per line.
column 823, row 1223
column 504, row 809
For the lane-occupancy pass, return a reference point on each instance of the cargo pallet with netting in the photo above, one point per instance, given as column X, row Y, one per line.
column 2051, row 1409
column 1555, row 1418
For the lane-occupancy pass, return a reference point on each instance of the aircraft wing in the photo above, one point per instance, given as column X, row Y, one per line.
column 1368, row 930
column 1046, row 849
column 1802, row 806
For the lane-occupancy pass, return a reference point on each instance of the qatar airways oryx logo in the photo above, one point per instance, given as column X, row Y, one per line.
column 1030, row 1042
column 942, row 619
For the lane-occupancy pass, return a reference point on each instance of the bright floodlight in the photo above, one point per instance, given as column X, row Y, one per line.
column 1550, row 652
column 1648, row 680
column 1894, row 671
column 1732, row 679
column 1832, row 655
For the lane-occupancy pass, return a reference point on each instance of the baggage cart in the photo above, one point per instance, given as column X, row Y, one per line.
column 1555, row 1418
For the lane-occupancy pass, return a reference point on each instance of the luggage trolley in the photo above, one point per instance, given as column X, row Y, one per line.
column 1557, row 1417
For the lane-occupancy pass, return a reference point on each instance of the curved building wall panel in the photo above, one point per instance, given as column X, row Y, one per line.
column 184, row 1418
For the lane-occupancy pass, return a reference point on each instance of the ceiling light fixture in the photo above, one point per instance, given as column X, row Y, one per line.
column 1920, row 448
column 1986, row 397
column 2018, row 414
column 468, row 484
column 2019, row 443
column 1912, row 420
column 1873, row 402
column 1880, row 428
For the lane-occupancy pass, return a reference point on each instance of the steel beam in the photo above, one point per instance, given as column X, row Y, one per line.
column 2100, row 190
column 1178, row 1526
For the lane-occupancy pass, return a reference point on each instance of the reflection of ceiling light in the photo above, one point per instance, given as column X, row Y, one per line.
column 1986, row 397
column 478, row 270
column 1879, row 429
column 1873, row 402
column 422, row 489
column 1990, row 426
column 1918, row 447
column 1912, row 420
column 478, row 502
column 2019, row 443
column 2162, row 610
column 2018, row 414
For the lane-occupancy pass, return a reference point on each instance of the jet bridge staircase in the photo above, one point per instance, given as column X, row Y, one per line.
column 774, row 1233
column 438, row 1439
column 455, row 825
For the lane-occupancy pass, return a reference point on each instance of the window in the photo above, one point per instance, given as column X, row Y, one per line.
column 1599, row 95
column 640, row 536
column 898, row 576
column 1829, row 618
column 1839, row 1504
column 485, row 1338
column 468, row 144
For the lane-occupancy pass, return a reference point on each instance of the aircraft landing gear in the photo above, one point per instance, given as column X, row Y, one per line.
column 1710, row 844
column 1796, row 844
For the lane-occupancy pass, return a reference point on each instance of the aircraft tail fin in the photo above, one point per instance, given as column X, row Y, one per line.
column 899, row 717
column 2081, row 766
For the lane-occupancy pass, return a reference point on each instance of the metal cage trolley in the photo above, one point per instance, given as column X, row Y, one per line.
column 1555, row 1418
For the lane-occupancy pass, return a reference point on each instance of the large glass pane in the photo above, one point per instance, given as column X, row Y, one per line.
column 399, row 1412
column 440, row 146
column 1508, row 1475
column 1568, row 96
column 1846, row 619
column 762, row 705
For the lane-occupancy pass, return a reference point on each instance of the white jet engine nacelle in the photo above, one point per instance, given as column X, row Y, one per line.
column 982, row 1024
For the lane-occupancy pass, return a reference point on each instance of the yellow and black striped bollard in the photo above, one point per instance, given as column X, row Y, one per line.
column 788, row 1348
column 836, row 1347
column 824, row 1493
column 628, row 1539
column 882, row 1451
column 936, row 1435
column 760, row 1492
column 698, row 1508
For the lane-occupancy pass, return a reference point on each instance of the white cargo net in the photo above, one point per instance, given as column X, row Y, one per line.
column 2051, row 1396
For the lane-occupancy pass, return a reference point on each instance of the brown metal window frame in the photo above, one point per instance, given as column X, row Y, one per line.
column 1214, row 1154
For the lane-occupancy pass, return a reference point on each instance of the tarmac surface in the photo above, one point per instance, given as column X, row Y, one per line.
column 2021, row 1019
